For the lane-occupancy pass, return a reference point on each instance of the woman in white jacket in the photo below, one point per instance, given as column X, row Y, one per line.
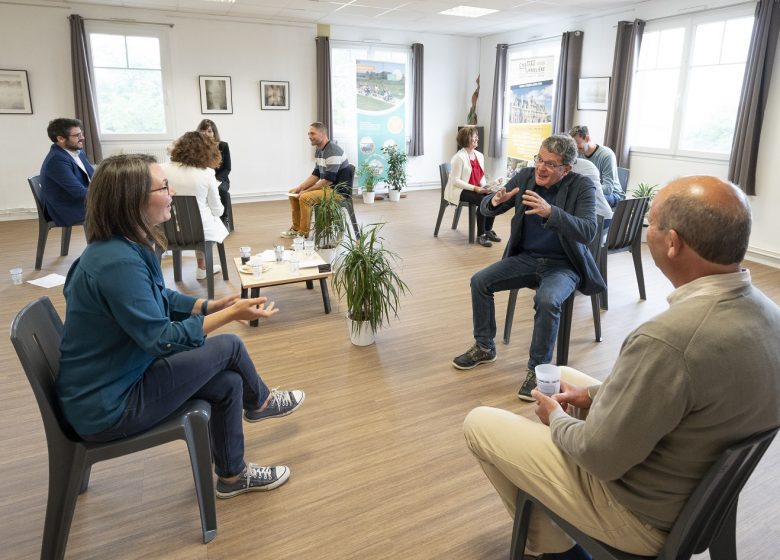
column 467, row 182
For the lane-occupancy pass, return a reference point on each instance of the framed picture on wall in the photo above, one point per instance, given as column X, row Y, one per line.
column 216, row 95
column 274, row 96
column 15, row 92
column 593, row 94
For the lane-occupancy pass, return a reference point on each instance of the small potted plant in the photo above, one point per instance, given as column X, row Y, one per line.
column 645, row 190
column 364, row 275
column 329, row 220
column 367, row 173
column 396, row 171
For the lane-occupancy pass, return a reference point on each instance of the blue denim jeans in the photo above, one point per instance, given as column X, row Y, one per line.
column 219, row 372
column 554, row 281
column 613, row 199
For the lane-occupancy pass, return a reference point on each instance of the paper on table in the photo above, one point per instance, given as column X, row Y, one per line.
column 267, row 256
column 48, row 281
column 309, row 264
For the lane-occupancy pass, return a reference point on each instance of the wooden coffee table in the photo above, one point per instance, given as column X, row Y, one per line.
column 277, row 273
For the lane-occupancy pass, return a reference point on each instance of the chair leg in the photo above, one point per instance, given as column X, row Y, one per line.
column 636, row 253
column 176, row 265
column 604, row 296
column 594, row 302
column 724, row 543
column 208, row 253
column 65, row 478
column 456, row 217
column 564, row 330
column 199, row 447
column 442, row 207
column 353, row 218
column 523, row 508
column 472, row 223
column 510, row 315
column 65, row 241
column 43, row 234
column 223, row 261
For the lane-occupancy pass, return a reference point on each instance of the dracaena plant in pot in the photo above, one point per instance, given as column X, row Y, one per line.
column 329, row 219
column 368, row 174
column 365, row 277
column 396, row 171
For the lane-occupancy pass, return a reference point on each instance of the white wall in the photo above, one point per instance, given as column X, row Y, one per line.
column 598, row 52
column 269, row 149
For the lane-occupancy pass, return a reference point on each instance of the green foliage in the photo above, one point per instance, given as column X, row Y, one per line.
column 396, row 167
column 645, row 190
column 367, row 173
column 364, row 275
column 329, row 220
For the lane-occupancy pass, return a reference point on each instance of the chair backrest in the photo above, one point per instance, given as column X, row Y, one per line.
column 626, row 223
column 444, row 175
column 35, row 187
column 623, row 175
column 36, row 333
column 346, row 176
column 185, row 228
column 704, row 512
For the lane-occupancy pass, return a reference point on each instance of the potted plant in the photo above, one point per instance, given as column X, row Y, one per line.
column 364, row 275
column 329, row 220
column 396, row 171
column 645, row 190
column 367, row 173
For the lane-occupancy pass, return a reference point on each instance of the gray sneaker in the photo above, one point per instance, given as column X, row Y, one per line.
column 473, row 357
column 282, row 403
column 524, row 394
column 254, row 479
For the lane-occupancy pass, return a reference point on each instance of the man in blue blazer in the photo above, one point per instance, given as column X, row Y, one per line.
column 65, row 173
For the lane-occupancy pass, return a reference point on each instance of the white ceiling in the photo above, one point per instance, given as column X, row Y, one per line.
column 408, row 15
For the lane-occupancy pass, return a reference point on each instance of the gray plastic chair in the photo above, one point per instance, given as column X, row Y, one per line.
column 623, row 174
column 36, row 333
column 707, row 522
column 444, row 174
column 45, row 224
column 184, row 231
column 567, row 309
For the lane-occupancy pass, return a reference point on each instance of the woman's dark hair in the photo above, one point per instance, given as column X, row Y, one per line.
column 206, row 123
column 117, row 199
column 196, row 150
column 465, row 134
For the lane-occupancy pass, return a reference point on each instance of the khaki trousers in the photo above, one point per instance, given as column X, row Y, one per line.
column 516, row 452
column 301, row 209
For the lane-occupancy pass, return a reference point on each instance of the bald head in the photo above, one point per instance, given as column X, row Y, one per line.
column 712, row 216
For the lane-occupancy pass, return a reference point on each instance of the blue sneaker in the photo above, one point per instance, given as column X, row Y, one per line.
column 282, row 403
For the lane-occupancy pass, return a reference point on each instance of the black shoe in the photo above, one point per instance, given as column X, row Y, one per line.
column 524, row 394
column 492, row 236
column 484, row 241
column 282, row 403
column 476, row 355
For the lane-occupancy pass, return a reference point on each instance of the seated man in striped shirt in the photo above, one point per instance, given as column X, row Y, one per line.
column 331, row 168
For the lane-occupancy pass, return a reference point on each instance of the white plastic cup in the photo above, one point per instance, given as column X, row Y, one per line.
column 246, row 253
column 16, row 276
column 308, row 247
column 298, row 244
column 257, row 268
column 278, row 252
column 293, row 263
column 548, row 379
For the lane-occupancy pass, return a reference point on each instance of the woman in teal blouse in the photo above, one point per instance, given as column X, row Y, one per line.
column 134, row 351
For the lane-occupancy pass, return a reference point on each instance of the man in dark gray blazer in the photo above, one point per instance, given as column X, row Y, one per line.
column 554, row 221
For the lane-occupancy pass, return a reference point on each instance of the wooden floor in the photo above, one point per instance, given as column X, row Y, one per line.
column 379, row 465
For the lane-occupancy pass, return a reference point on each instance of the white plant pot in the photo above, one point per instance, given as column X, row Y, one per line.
column 395, row 195
column 368, row 197
column 363, row 336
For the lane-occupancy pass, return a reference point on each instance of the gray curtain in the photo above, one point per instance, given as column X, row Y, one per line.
column 82, row 89
column 755, row 91
column 629, row 39
column 324, row 105
column 496, row 142
column 416, row 147
column 567, row 81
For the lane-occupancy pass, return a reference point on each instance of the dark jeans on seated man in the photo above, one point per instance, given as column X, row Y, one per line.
column 614, row 198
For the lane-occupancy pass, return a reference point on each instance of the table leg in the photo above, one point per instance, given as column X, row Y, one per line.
column 255, row 293
column 309, row 285
column 325, row 295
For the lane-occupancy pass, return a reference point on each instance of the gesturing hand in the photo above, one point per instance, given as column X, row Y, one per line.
column 536, row 204
column 502, row 195
column 222, row 303
column 252, row 308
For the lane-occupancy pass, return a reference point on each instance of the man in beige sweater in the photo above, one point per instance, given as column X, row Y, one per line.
column 622, row 471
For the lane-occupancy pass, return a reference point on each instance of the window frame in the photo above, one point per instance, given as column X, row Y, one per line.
column 161, row 33
column 689, row 23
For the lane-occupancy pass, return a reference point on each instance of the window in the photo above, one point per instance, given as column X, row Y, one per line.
column 687, row 85
column 129, row 82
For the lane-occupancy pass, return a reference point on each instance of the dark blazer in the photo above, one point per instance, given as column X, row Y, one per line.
column 223, row 171
column 64, row 186
column 573, row 218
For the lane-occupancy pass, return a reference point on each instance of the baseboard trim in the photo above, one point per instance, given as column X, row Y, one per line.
column 762, row 256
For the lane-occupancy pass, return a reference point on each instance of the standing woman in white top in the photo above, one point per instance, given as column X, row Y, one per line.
column 467, row 182
column 191, row 172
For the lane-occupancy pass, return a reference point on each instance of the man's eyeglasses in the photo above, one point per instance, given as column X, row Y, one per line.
column 165, row 187
column 548, row 164
column 79, row 135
